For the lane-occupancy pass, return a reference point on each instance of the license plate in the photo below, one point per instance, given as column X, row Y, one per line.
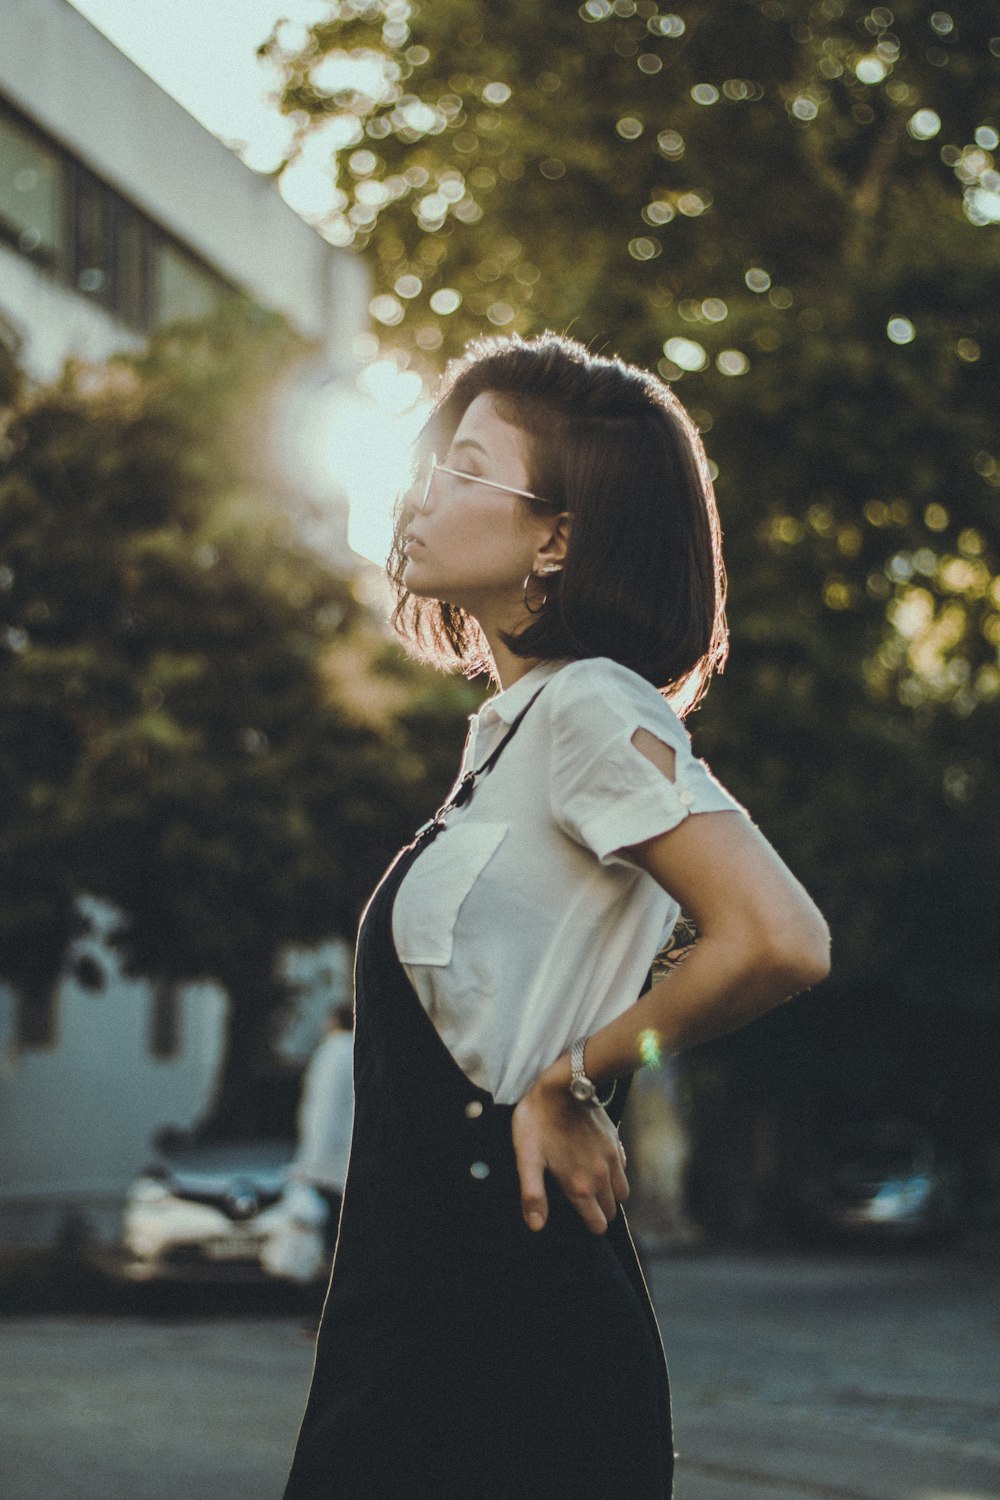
column 246, row 1247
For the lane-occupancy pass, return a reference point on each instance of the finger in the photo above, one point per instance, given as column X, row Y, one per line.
column 592, row 1214
column 607, row 1200
column 583, row 1194
column 619, row 1182
column 534, row 1201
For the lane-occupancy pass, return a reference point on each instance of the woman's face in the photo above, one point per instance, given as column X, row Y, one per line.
column 472, row 545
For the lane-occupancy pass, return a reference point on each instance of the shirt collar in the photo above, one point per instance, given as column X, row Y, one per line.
column 507, row 705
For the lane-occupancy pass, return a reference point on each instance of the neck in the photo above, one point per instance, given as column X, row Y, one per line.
column 507, row 667
column 510, row 668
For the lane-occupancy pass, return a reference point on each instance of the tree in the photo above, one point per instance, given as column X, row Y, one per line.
column 176, row 737
column 791, row 208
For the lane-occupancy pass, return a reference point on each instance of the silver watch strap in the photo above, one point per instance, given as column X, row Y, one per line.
column 579, row 1072
column 577, row 1069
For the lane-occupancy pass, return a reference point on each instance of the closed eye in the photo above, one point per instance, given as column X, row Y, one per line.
column 453, row 465
column 457, row 473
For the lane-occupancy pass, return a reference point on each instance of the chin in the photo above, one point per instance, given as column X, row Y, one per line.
column 411, row 581
column 416, row 581
column 421, row 588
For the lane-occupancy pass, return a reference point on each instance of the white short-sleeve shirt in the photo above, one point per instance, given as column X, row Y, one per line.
column 521, row 927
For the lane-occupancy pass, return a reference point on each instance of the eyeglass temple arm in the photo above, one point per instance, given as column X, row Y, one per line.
column 490, row 483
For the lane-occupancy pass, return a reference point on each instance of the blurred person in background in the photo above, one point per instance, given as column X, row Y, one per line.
column 326, row 1109
column 487, row 1330
column 302, row 1246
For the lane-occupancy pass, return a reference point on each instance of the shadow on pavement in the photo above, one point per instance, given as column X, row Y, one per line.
column 53, row 1282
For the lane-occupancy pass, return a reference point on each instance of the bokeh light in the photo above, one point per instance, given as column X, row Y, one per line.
column 445, row 300
column 870, row 70
column 686, row 354
column 924, row 124
column 900, row 330
column 732, row 362
column 757, row 280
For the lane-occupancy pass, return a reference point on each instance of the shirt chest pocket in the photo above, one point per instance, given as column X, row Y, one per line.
column 431, row 895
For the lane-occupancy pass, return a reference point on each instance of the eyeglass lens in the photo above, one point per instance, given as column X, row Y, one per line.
column 426, row 480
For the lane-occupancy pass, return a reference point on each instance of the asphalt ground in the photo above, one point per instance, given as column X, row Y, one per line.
column 853, row 1377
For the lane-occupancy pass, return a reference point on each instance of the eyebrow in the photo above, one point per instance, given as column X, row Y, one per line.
column 471, row 443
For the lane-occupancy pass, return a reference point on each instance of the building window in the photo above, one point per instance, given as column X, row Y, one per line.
column 35, row 1023
column 93, row 242
column 31, row 196
column 56, row 211
column 165, row 1021
column 132, row 278
column 182, row 289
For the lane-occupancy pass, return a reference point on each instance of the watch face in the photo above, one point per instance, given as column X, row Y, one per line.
column 582, row 1089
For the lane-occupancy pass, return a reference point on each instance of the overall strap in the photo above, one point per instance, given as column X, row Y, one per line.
column 463, row 791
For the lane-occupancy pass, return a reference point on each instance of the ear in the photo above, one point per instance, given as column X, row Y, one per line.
column 550, row 555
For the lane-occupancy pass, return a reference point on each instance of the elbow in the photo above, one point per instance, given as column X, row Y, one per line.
column 810, row 968
column 772, row 962
column 798, row 956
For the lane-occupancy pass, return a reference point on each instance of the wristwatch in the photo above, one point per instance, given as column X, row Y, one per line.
column 583, row 1089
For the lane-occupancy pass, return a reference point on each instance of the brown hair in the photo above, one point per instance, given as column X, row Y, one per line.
column 643, row 581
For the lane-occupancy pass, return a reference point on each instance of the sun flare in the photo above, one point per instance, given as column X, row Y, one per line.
column 360, row 445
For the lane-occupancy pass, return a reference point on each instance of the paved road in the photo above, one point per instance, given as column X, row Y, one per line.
column 873, row 1379
column 833, row 1380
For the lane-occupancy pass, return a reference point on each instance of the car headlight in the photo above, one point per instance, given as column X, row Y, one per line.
column 147, row 1191
column 897, row 1199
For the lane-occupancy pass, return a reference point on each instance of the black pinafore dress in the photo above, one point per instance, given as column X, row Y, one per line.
column 462, row 1356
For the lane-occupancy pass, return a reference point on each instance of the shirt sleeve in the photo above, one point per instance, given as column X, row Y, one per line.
column 605, row 794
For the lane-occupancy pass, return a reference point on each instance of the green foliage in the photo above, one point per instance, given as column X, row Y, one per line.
column 172, row 735
column 598, row 167
column 790, row 208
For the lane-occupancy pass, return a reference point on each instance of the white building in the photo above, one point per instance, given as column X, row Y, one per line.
column 118, row 214
column 80, row 1097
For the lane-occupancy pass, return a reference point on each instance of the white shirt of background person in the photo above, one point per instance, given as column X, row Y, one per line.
column 326, row 1109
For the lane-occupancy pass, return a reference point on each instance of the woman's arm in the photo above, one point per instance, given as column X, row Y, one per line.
column 761, row 940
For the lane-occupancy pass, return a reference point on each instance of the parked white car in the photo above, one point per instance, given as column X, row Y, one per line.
column 212, row 1200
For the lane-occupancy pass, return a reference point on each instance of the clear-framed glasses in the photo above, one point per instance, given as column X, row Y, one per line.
column 432, row 467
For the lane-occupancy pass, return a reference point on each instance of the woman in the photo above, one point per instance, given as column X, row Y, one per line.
column 487, row 1332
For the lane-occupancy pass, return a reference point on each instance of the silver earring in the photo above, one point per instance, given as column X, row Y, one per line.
column 546, row 570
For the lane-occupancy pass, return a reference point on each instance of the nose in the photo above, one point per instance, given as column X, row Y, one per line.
column 411, row 502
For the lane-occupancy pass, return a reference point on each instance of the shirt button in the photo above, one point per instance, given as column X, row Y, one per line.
column 473, row 1109
column 685, row 798
column 479, row 1170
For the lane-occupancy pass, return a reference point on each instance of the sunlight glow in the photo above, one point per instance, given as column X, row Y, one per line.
column 359, row 443
column 354, row 443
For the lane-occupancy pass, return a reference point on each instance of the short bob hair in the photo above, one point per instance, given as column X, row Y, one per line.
column 643, row 580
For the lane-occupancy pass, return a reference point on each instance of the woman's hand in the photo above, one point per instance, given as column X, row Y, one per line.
column 577, row 1143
